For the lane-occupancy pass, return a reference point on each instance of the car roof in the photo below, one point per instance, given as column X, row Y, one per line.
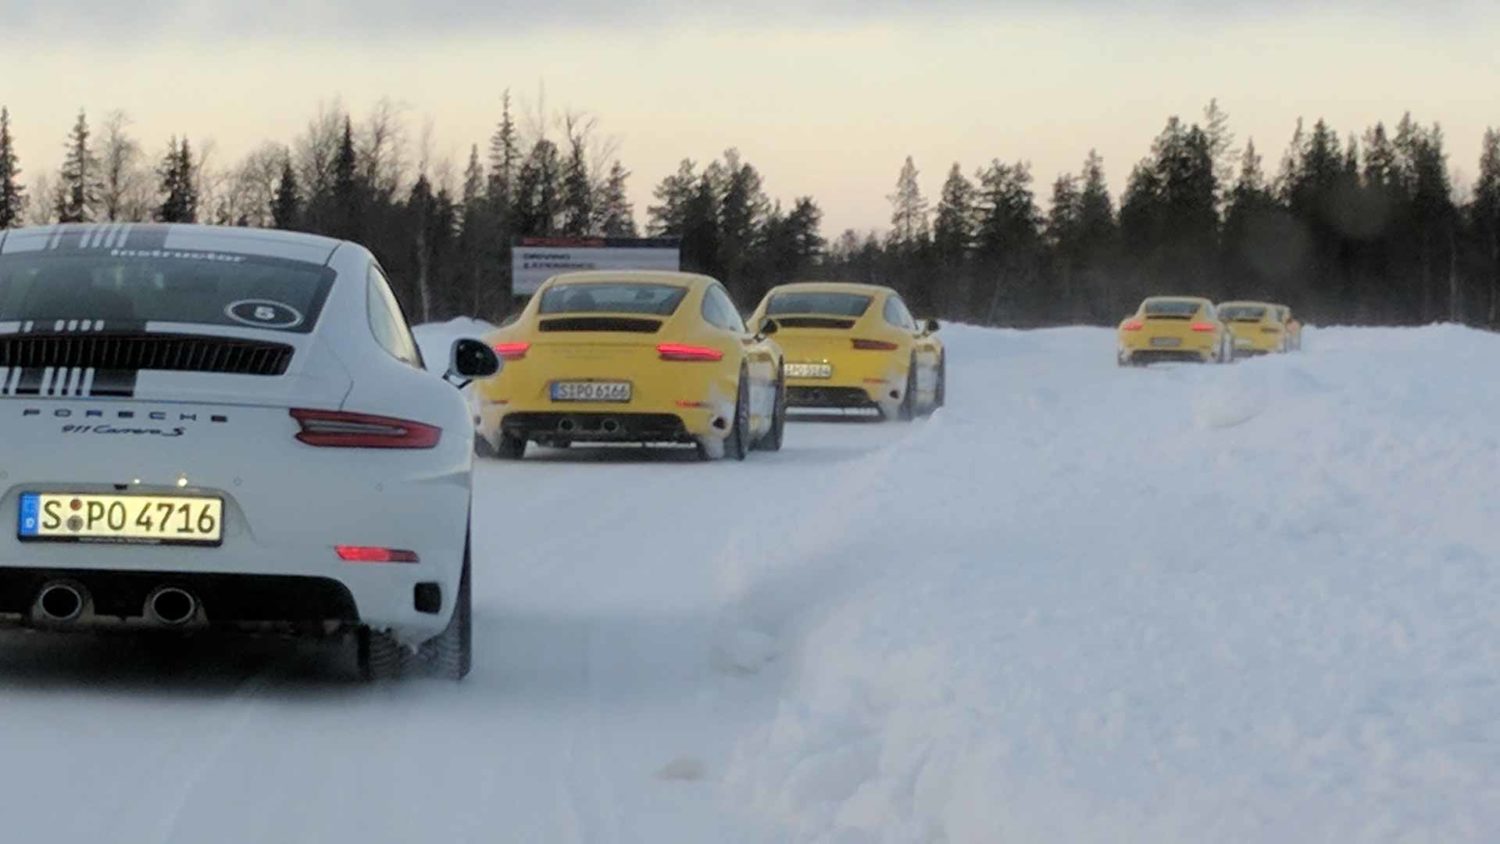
column 1198, row 300
column 637, row 276
column 149, row 237
column 831, row 287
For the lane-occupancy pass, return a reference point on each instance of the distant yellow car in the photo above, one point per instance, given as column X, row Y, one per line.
column 1293, row 328
column 1256, row 326
column 633, row 357
column 856, row 346
column 1174, row 328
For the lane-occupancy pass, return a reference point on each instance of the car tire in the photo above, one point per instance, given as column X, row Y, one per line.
column 449, row 655
column 737, row 444
column 483, row 448
column 940, row 393
column 511, row 447
column 379, row 656
column 773, row 439
column 907, row 411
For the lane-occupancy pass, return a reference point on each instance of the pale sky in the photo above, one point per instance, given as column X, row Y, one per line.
column 824, row 99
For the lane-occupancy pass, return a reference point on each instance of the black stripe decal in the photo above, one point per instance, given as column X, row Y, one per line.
column 31, row 381
column 114, row 383
column 145, row 237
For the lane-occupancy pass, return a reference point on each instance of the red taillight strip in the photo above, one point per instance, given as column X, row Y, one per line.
column 875, row 346
column 683, row 352
column 512, row 351
column 1133, row 325
column 372, row 554
column 1203, row 327
column 339, row 429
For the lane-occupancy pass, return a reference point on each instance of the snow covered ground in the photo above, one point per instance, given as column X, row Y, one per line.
column 1248, row 603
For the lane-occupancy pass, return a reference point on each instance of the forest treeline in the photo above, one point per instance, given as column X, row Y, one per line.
column 1361, row 228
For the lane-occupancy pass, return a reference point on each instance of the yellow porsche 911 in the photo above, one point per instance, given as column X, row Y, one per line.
column 1256, row 326
column 1168, row 328
column 854, row 346
column 633, row 357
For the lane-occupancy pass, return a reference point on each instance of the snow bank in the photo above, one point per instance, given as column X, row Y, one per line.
column 1248, row 603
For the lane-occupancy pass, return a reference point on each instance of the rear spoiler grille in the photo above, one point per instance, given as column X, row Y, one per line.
column 627, row 324
column 813, row 322
column 136, row 352
column 1168, row 316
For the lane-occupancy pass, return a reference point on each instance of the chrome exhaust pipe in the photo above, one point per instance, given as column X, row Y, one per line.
column 171, row 606
column 60, row 603
column 610, row 426
column 566, row 426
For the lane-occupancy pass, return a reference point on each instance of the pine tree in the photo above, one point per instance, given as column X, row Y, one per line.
column 1255, row 237
column 952, row 240
column 1220, row 147
column 12, row 195
column 1098, row 240
column 474, row 249
column 577, row 191
column 505, row 157
column 538, row 202
column 700, row 225
column 616, row 218
column 1064, row 225
column 673, row 195
column 180, row 194
column 743, row 208
column 1007, row 242
column 1485, row 218
column 78, row 183
column 286, row 207
column 1169, row 214
column 422, row 206
column 908, row 208
column 346, row 217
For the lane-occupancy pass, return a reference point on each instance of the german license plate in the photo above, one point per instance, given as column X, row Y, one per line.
column 152, row 519
column 1165, row 342
column 809, row 370
column 595, row 391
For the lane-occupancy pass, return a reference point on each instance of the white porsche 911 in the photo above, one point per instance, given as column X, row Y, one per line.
column 207, row 428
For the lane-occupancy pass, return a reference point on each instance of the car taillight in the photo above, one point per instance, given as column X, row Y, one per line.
column 338, row 429
column 1133, row 325
column 875, row 346
column 1203, row 327
column 371, row 554
column 512, row 351
column 682, row 352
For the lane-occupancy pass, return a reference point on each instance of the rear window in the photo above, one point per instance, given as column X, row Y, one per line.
column 163, row 286
column 613, row 298
column 1242, row 312
column 1171, row 309
column 827, row 304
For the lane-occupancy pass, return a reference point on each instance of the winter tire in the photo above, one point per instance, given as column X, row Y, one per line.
column 511, row 447
column 774, row 437
column 737, row 444
column 908, row 409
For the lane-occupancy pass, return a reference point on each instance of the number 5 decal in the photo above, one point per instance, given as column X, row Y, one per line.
column 263, row 313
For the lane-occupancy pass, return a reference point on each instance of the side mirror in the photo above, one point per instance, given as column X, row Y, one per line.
column 470, row 359
column 769, row 327
column 933, row 326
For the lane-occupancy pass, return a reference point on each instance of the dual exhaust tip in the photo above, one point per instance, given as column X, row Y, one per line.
column 608, row 426
column 61, row 602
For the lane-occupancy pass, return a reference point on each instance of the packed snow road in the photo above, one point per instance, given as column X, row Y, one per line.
column 1249, row 603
